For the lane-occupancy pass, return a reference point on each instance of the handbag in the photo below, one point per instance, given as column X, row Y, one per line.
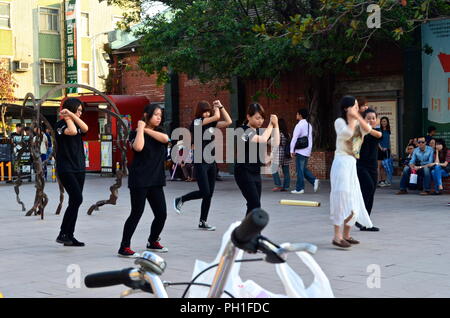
column 413, row 178
column 302, row 142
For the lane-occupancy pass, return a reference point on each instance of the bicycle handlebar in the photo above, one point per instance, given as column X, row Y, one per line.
column 250, row 229
column 247, row 236
column 111, row 278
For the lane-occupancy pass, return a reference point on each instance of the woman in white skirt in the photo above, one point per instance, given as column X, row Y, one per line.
column 346, row 201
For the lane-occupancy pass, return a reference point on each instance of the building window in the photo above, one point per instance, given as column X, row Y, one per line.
column 50, row 72
column 5, row 15
column 84, row 30
column 49, row 20
column 85, row 75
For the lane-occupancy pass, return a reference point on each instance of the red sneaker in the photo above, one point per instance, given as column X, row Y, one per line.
column 156, row 247
column 127, row 252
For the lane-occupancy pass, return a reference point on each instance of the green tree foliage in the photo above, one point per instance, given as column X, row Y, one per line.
column 216, row 40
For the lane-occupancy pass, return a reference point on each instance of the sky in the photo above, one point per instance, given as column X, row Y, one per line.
column 155, row 8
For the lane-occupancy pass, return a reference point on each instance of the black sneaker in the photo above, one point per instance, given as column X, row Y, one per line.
column 370, row 229
column 63, row 239
column 177, row 204
column 156, row 247
column 202, row 225
column 74, row 242
column 127, row 252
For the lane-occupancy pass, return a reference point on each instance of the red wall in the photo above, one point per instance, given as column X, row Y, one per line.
column 386, row 61
column 131, row 80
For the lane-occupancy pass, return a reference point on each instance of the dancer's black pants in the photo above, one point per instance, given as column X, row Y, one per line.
column 73, row 183
column 250, row 186
column 206, row 179
column 154, row 196
column 368, row 181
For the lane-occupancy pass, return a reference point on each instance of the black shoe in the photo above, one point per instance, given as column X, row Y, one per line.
column 74, row 242
column 63, row 239
column 437, row 193
column 359, row 226
column 202, row 225
column 370, row 229
column 177, row 204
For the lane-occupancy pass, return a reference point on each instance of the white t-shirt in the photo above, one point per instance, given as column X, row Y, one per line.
column 301, row 130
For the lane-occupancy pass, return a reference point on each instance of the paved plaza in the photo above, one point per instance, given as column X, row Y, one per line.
column 411, row 251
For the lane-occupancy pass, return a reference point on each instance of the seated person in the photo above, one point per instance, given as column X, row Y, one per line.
column 177, row 162
column 430, row 135
column 440, row 165
column 420, row 161
column 188, row 168
column 408, row 155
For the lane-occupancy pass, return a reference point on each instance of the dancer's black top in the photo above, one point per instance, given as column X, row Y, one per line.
column 196, row 123
column 147, row 168
column 369, row 152
column 70, row 150
column 252, row 161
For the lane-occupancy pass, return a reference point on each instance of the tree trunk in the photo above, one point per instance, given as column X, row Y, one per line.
column 320, row 99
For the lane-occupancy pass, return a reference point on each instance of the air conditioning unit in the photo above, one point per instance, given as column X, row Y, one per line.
column 20, row 66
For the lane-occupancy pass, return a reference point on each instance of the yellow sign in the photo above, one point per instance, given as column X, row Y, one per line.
column 2, row 170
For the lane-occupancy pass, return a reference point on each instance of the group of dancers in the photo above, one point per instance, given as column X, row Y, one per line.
column 349, row 205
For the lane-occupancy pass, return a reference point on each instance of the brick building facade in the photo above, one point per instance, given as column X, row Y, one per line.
column 379, row 78
column 129, row 79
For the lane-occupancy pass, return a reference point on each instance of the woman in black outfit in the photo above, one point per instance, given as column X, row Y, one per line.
column 247, row 170
column 70, row 165
column 146, row 180
column 205, row 169
column 366, row 165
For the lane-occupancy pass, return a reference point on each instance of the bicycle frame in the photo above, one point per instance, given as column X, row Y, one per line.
column 157, row 285
column 223, row 271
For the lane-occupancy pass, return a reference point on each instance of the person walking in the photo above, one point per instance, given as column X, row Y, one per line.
column 346, row 201
column 146, row 180
column 282, row 158
column 301, row 155
column 70, row 165
column 247, row 170
column 207, row 118
column 366, row 166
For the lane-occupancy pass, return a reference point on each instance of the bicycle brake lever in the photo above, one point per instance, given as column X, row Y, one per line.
column 129, row 292
column 297, row 247
column 271, row 250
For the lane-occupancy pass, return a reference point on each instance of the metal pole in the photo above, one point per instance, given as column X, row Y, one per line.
column 223, row 271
